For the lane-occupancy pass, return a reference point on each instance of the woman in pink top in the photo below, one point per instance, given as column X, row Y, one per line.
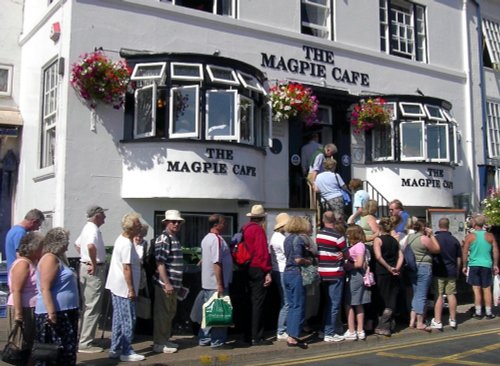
column 22, row 284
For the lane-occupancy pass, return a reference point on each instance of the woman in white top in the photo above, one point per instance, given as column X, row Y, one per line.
column 123, row 282
column 278, row 261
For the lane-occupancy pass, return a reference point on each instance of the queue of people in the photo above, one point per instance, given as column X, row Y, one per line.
column 44, row 293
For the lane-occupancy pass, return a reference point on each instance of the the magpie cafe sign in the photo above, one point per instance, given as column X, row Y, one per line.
column 213, row 164
column 435, row 180
column 318, row 63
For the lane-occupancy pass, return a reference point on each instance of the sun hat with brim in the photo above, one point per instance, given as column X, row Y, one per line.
column 172, row 215
column 281, row 220
column 257, row 211
column 94, row 210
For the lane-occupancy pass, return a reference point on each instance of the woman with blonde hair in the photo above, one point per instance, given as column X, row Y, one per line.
column 22, row 284
column 295, row 254
column 368, row 221
column 56, row 311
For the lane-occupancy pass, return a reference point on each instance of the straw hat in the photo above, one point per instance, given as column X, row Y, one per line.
column 257, row 211
column 172, row 215
column 281, row 220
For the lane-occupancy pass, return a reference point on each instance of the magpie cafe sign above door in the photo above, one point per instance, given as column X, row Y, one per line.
column 317, row 63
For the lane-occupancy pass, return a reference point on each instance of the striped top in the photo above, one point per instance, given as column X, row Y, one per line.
column 331, row 248
column 169, row 252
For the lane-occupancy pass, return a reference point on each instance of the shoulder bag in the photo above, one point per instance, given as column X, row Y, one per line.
column 14, row 352
column 346, row 195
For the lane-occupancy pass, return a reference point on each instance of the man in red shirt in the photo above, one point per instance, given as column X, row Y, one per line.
column 259, row 270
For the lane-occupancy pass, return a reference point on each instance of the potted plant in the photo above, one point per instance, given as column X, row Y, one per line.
column 97, row 79
column 293, row 100
column 368, row 114
column 491, row 207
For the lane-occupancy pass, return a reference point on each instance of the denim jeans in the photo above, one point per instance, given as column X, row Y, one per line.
column 333, row 290
column 212, row 336
column 296, row 297
column 278, row 280
column 420, row 281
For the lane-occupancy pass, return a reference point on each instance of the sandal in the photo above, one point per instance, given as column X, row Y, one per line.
column 425, row 328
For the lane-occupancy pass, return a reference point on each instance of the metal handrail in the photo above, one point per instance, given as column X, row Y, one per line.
column 383, row 203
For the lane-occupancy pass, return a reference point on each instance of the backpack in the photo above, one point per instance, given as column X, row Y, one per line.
column 149, row 263
column 241, row 254
column 410, row 263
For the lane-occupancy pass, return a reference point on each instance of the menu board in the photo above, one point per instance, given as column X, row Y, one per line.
column 456, row 217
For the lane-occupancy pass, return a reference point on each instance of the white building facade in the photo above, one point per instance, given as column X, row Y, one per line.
column 219, row 58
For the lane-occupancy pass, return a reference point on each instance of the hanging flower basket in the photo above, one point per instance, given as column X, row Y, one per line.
column 491, row 207
column 97, row 79
column 368, row 114
column 293, row 100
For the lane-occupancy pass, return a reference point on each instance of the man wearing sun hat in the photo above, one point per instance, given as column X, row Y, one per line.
column 92, row 276
column 168, row 279
column 259, row 270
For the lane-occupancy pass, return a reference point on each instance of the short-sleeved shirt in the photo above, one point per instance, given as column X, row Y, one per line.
column 329, row 185
column 331, row 248
column 401, row 228
column 91, row 235
column 214, row 249
column 168, row 251
column 12, row 240
column 361, row 197
column 124, row 252
column 444, row 264
column 357, row 250
column 277, row 250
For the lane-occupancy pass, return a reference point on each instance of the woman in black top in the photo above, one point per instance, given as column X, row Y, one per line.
column 389, row 260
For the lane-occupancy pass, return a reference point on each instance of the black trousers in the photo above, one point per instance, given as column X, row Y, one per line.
column 257, row 296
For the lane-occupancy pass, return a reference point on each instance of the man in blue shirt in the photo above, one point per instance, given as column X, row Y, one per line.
column 31, row 222
column 396, row 209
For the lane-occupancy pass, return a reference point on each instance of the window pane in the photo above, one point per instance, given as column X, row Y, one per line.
column 246, row 120
column 144, row 100
column 316, row 18
column 154, row 70
column 49, row 113
column 225, row 7
column 382, row 142
column 436, row 142
column 4, row 80
column 220, row 114
column 452, row 143
column 412, row 144
column 49, row 147
column 223, row 74
column 184, row 109
column 187, row 71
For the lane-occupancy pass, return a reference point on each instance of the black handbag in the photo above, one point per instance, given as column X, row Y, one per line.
column 48, row 352
column 14, row 352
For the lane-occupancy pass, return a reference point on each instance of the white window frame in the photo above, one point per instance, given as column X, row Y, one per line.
column 409, row 114
column 50, row 99
column 144, row 89
column 171, row 131
column 455, row 135
column 214, row 7
column 491, row 32
column 391, row 107
column 449, row 116
column 233, row 81
column 234, row 136
column 185, row 77
column 157, row 77
column 428, row 108
column 493, row 129
column 422, row 141
column 8, row 91
column 253, row 84
column 391, row 142
column 327, row 28
column 446, row 142
column 251, row 122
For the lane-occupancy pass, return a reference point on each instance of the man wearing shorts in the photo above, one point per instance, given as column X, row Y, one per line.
column 445, row 267
column 480, row 254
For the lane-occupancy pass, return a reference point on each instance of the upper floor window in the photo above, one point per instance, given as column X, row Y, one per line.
column 220, row 7
column 49, row 114
column 5, row 80
column 493, row 133
column 199, row 101
column 316, row 18
column 491, row 34
column 418, row 132
column 403, row 29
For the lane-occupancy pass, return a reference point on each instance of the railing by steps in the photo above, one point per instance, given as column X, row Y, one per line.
column 383, row 203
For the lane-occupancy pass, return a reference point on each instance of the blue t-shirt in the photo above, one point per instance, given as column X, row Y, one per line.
column 12, row 240
column 444, row 264
column 401, row 228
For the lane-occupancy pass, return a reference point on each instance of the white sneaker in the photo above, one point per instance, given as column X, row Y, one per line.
column 282, row 336
column 160, row 348
column 91, row 349
column 133, row 357
column 348, row 336
column 453, row 323
column 436, row 325
column 361, row 335
column 334, row 338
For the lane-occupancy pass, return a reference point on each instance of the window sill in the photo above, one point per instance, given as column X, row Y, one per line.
column 44, row 174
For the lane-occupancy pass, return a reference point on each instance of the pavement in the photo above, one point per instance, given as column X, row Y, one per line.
column 190, row 353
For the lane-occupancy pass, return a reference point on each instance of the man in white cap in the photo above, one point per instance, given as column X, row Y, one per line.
column 92, row 276
column 168, row 279
column 259, row 270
